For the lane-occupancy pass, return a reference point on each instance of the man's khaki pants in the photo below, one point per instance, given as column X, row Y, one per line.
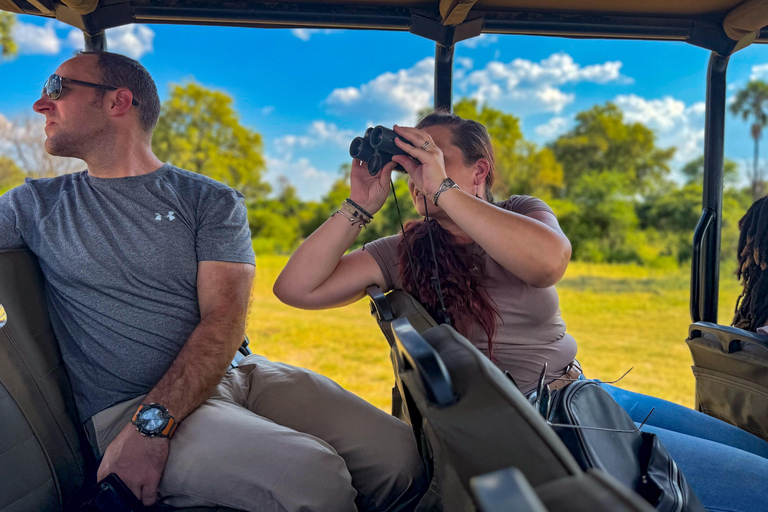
column 273, row 437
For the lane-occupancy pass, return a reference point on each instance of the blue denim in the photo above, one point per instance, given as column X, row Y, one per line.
column 726, row 466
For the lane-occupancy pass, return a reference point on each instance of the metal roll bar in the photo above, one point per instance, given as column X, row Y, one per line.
column 705, row 265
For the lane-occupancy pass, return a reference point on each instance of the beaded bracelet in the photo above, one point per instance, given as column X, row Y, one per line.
column 348, row 200
column 352, row 214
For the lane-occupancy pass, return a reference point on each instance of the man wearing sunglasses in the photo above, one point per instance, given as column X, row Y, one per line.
column 149, row 270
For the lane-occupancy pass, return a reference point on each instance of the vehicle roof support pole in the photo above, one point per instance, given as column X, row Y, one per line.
column 95, row 42
column 443, row 77
column 714, row 137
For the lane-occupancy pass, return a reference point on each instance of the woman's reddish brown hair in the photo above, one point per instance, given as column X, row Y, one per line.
column 464, row 293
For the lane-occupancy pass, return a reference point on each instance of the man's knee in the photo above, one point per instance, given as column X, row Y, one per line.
column 400, row 479
column 320, row 482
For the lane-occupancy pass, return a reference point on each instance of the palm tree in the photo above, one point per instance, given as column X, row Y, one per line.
column 752, row 101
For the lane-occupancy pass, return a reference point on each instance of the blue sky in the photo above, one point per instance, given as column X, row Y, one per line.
column 308, row 93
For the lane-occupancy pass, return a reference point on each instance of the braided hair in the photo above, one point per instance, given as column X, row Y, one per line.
column 752, row 304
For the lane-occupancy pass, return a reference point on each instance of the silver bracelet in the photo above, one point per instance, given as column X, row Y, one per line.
column 445, row 185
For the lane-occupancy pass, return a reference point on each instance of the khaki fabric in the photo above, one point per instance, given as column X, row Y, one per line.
column 273, row 437
column 730, row 387
column 7, row 5
column 747, row 18
column 81, row 6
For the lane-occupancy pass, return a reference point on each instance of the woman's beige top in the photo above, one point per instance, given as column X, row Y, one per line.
column 531, row 331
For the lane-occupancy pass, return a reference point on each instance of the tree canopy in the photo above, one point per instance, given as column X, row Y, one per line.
column 10, row 175
column 521, row 166
column 751, row 102
column 7, row 44
column 602, row 141
column 199, row 130
column 693, row 171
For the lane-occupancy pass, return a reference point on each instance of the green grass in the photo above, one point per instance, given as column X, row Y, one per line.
column 622, row 316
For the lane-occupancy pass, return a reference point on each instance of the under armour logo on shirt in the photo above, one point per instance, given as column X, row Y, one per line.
column 170, row 216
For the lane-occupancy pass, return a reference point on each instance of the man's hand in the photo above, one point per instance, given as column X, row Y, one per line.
column 138, row 460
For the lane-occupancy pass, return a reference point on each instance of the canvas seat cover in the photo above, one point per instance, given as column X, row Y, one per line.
column 42, row 462
column 731, row 370
column 491, row 426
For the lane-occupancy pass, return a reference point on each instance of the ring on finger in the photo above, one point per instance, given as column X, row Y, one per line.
column 425, row 145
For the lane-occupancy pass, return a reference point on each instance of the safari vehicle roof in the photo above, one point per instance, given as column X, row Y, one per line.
column 714, row 24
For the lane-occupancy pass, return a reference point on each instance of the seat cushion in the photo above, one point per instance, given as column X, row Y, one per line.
column 35, row 387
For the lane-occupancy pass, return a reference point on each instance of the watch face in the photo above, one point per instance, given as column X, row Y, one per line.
column 152, row 419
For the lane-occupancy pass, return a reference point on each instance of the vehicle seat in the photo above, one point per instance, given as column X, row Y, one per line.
column 731, row 370
column 479, row 425
column 43, row 457
column 386, row 308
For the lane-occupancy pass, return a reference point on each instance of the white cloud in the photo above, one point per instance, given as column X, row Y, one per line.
column 305, row 33
column 759, row 72
column 552, row 128
column 465, row 62
column 480, row 41
column 397, row 97
column 133, row 41
column 319, row 134
column 463, row 66
column 269, row 109
column 311, row 183
column 75, row 39
column 35, row 39
column 535, row 85
column 675, row 123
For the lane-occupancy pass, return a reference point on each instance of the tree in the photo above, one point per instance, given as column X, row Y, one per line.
column 600, row 218
column 7, row 44
column 521, row 166
column 24, row 142
column 10, row 175
column 752, row 102
column 602, row 141
column 199, row 131
column 693, row 171
column 674, row 212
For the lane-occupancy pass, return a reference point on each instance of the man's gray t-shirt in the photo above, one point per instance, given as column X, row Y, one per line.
column 120, row 260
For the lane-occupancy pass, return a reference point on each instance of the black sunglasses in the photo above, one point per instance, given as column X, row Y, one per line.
column 52, row 87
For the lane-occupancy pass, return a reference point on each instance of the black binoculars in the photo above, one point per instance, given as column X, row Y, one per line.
column 377, row 148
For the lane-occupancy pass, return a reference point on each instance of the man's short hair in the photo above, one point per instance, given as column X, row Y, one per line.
column 121, row 71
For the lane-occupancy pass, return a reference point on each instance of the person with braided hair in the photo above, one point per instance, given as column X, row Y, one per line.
column 752, row 305
column 499, row 262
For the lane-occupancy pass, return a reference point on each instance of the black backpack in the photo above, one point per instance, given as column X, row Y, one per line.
column 615, row 445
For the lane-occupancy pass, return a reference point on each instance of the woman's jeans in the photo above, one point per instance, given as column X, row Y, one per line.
column 727, row 467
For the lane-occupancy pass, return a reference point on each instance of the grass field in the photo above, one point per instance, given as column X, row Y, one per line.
column 621, row 315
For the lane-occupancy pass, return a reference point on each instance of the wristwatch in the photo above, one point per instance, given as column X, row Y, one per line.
column 445, row 185
column 154, row 420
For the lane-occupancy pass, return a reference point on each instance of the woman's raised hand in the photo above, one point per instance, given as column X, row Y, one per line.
column 370, row 192
column 428, row 175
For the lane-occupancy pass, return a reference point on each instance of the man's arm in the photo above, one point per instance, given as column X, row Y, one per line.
column 223, row 292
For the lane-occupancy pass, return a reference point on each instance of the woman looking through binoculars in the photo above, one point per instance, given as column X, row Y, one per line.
column 517, row 244
column 498, row 264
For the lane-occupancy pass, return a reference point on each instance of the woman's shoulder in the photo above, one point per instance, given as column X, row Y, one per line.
column 524, row 205
column 387, row 244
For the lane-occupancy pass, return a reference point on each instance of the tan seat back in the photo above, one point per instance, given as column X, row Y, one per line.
column 474, row 417
column 41, row 463
column 731, row 369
